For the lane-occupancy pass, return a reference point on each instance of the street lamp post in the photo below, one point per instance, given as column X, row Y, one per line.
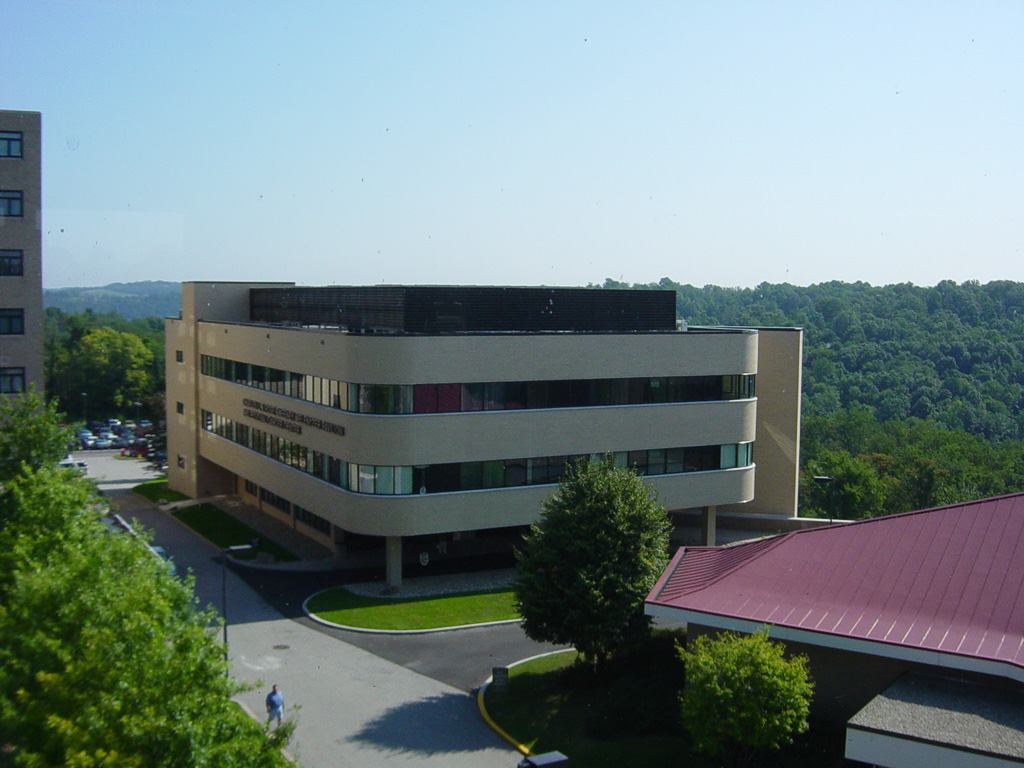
column 85, row 409
column 237, row 549
column 831, row 482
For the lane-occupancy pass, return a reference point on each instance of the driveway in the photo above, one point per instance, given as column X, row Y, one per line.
column 362, row 699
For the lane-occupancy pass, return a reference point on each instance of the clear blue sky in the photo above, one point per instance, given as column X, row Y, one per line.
column 524, row 143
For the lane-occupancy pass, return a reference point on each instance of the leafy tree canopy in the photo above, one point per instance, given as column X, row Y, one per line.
column 118, row 364
column 880, row 468
column 104, row 659
column 743, row 695
column 30, row 434
column 591, row 559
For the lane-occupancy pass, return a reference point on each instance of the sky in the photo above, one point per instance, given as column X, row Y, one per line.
column 524, row 143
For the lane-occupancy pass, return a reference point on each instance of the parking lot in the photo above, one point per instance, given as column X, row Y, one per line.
column 113, row 472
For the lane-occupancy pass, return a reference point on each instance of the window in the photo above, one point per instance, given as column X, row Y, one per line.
column 10, row 143
column 11, row 203
column 181, row 462
column 12, row 322
column 179, row 356
column 313, row 521
column 180, row 407
column 11, row 263
column 12, row 380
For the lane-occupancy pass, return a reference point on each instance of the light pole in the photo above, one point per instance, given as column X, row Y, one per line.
column 831, row 482
column 237, row 549
column 85, row 410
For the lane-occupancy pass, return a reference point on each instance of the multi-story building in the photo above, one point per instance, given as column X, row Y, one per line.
column 376, row 414
column 21, row 274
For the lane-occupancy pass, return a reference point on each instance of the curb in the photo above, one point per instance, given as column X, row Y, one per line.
column 486, row 715
column 522, row 748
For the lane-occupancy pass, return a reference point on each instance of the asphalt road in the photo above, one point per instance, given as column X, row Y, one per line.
column 462, row 659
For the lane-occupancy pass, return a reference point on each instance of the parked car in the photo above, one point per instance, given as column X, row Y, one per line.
column 102, row 442
column 111, row 526
column 162, row 554
column 136, row 447
column 76, row 464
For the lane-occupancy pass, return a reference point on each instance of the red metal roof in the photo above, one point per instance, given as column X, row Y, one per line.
column 949, row 579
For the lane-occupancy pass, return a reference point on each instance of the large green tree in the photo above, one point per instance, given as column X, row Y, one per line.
column 118, row 364
column 589, row 562
column 104, row 658
column 31, row 434
column 743, row 695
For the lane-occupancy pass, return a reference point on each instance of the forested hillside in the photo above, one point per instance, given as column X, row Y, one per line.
column 149, row 298
column 954, row 353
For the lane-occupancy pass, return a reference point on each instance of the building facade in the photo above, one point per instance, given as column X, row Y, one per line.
column 451, row 412
column 21, row 274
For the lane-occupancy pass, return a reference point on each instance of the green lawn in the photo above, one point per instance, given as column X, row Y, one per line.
column 340, row 606
column 591, row 722
column 540, row 713
column 225, row 531
column 156, row 489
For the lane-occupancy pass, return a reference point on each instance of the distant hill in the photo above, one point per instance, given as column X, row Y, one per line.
column 149, row 298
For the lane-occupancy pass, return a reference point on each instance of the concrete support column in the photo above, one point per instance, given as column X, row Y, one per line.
column 393, row 563
column 707, row 526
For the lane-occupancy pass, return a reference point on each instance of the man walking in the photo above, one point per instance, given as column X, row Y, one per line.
column 275, row 705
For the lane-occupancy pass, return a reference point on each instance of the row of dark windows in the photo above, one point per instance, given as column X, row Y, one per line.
column 302, row 514
column 10, row 143
column 469, row 475
column 487, row 396
column 12, row 262
column 12, row 380
column 12, row 322
column 12, row 203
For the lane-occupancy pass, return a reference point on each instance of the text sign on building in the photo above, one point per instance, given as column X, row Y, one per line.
column 283, row 418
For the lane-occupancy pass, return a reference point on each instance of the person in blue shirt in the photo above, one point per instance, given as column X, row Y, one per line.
column 275, row 705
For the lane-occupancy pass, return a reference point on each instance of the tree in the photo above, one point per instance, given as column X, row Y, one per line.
column 113, row 369
column 742, row 695
column 104, row 658
column 30, row 434
column 589, row 562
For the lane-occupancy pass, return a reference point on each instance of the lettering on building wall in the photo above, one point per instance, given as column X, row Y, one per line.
column 286, row 419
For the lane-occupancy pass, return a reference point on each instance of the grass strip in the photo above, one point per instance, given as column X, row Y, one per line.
column 340, row 606
column 156, row 489
column 226, row 531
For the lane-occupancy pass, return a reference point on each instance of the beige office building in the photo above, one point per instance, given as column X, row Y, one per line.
column 21, row 273
column 444, row 416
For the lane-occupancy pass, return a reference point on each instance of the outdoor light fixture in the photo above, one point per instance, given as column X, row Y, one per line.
column 237, row 549
column 831, row 482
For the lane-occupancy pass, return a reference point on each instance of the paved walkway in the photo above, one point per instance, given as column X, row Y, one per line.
column 356, row 707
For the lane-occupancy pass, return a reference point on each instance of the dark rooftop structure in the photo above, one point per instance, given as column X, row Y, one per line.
column 466, row 309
